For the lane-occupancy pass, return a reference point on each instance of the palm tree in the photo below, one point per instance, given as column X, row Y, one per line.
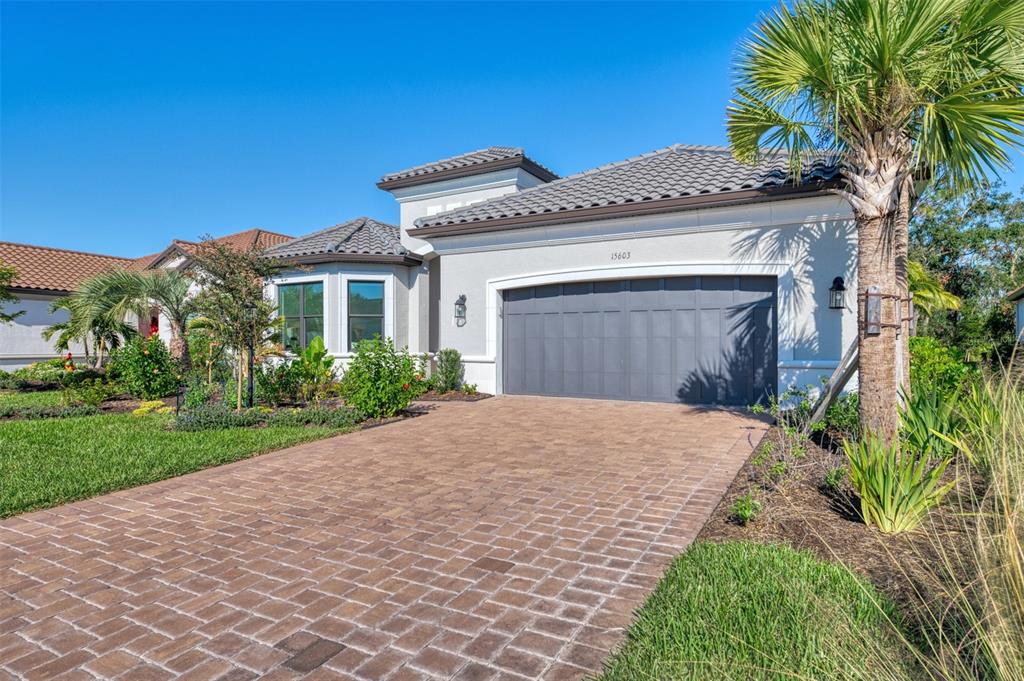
column 97, row 335
column 115, row 294
column 898, row 89
column 929, row 295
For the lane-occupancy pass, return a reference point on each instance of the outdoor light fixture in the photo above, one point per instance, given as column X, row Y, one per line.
column 873, row 311
column 837, row 294
column 460, row 308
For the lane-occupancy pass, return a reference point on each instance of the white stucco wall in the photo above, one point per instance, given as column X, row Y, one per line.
column 21, row 341
column 806, row 243
column 335, row 277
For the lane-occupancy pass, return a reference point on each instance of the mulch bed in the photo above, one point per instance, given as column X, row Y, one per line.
column 451, row 396
column 797, row 510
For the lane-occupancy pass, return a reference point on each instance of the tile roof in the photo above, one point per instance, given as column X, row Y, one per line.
column 670, row 173
column 54, row 269
column 472, row 163
column 250, row 239
column 360, row 237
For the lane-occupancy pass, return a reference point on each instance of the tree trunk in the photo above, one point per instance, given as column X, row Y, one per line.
column 877, row 370
column 238, row 383
column 179, row 348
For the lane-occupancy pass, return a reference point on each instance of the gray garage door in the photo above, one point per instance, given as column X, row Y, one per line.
column 697, row 340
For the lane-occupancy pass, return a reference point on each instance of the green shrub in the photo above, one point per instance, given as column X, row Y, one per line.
column 843, row 417
column 379, row 380
column 833, row 480
column 278, row 383
column 316, row 371
column 216, row 417
column 9, row 381
column 449, row 370
column 469, row 388
column 928, row 422
column 315, row 416
column 146, row 368
column 48, row 411
column 73, row 378
column 895, row 491
column 91, row 391
column 198, row 391
column 741, row 610
column 744, row 509
column 937, row 367
column 47, row 371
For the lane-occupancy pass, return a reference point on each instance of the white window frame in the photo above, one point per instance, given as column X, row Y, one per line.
column 323, row 278
column 389, row 303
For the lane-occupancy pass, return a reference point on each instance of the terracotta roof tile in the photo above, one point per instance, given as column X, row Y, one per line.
column 54, row 269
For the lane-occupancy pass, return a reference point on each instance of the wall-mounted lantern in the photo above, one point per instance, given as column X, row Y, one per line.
column 460, row 308
column 873, row 311
column 837, row 294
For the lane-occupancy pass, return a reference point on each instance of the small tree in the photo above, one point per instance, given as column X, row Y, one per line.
column 232, row 305
column 7, row 274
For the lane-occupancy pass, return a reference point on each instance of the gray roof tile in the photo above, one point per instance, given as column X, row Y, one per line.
column 481, row 157
column 362, row 236
column 669, row 173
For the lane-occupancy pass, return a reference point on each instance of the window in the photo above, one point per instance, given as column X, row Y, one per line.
column 302, row 306
column 365, row 311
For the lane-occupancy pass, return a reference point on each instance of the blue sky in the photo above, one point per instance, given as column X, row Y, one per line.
column 125, row 125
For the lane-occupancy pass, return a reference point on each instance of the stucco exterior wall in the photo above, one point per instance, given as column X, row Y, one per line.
column 805, row 243
column 21, row 341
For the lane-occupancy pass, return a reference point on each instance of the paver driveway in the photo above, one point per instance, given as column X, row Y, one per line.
column 507, row 538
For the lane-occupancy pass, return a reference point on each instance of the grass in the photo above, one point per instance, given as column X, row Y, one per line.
column 742, row 610
column 44, row 398
column 53, row 461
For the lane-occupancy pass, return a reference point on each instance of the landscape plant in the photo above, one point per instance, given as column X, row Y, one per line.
column 928, row 421
column 7, row 277
column 90, row 391
column 379, row 379
column 745, row 509
column 893, row 90
column 938, row 367
column 315, row 370
column 146, row 368
column 449, row 370
column 278, row 382
column 895, row 491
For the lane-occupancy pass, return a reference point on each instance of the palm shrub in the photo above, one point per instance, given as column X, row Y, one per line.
column 895, row 491
column 928, row 421
column 379, row 380
column 316, row 371
column 449, row 370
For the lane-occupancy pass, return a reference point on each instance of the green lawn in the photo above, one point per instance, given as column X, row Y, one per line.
column 45, row 398
column 752, row 611
column 52, row 461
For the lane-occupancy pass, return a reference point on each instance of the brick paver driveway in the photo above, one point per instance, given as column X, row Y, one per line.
column 507, row 538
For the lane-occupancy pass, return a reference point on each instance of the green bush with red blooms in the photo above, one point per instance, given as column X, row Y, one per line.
column 380, row 381
column 146, row 368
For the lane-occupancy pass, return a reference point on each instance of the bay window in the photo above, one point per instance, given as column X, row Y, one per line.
column 302, row 306
column 365, row 311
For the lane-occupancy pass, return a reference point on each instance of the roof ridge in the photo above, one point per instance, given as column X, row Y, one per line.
column 67, row 250
column 511, row 151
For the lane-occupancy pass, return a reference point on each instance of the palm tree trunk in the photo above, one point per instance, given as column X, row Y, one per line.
column 179, row 347
column 878, row 379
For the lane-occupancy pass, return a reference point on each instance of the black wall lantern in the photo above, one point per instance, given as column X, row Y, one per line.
column 837, row 294
column 460, row 308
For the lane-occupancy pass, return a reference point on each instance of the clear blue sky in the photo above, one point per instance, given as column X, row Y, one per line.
column 125, row 125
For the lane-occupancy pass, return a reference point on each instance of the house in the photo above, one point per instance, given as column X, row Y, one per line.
column 678, row 275
column 45, row 274
column 1017, row 298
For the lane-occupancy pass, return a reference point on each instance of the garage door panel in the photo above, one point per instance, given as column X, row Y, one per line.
column 688, row 339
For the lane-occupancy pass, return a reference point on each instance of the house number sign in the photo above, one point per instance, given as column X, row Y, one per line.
column 620, row 255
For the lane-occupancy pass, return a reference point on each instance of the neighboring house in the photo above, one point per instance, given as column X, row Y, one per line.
column 680, row 275
column 1017, row 298
column 45, row 274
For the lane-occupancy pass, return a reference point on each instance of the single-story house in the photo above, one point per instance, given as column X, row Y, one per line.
column 45, row 274
column 678, row 275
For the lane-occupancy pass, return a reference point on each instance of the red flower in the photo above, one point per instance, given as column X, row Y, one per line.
column 405, row 386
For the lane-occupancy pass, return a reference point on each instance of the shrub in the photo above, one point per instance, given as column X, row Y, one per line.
column 152, row 407
column 449, row 370
column 278, row 383
column 843, row 417
column 92, row 391
column 48, row 411
column 469, row 388
column 146, row 368
column 927, row 423
column 9, row 381
column 316, row 371
column 47, row 371
column 198, row 391
column 937, row 367
column 216, row 417
column 895, row 491
column 315, row 416
column 73, row 378
column 741, row 610
column 744, row 509
column 833, row 480
column 379, row 380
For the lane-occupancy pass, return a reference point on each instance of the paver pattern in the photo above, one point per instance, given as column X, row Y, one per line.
column 508, row 538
